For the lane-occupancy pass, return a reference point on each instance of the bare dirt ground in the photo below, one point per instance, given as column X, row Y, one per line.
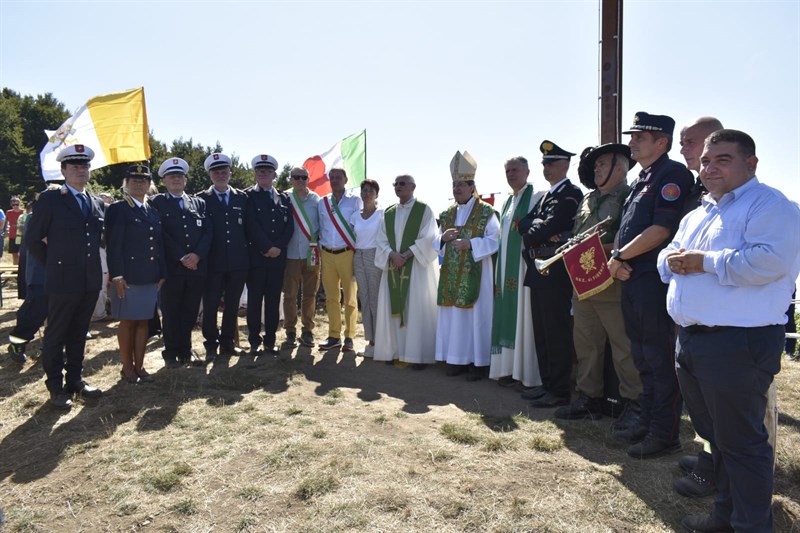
column 312, row 441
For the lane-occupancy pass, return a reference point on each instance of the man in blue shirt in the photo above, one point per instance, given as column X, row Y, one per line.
column 731, row 273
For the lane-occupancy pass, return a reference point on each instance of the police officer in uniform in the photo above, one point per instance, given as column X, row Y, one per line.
column 228, row 261
column 71, row 221
column 187, row 241
column 544, row 229
column 269, row 226
column 650, row 217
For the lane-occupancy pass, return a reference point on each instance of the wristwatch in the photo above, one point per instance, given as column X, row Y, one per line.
column 615, row 254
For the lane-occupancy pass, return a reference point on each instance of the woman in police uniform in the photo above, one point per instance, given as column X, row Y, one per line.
column 136, row 267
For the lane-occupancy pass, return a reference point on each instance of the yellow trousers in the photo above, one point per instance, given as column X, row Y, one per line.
column 337, row 272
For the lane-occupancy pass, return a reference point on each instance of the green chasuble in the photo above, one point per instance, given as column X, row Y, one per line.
column 460, row 276
column 506, row 288
column 400, row 279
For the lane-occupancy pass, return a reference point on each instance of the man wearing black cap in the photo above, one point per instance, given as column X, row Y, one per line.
column 544, row 229
column 650, row 217
column 599, row 318
column 187, row 242
column 64, row 234
column 228, row 260
column 269, row 227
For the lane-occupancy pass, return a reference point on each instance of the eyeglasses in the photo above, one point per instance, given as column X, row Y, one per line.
column 14, row 205
column 400, row 183
column 304, row 178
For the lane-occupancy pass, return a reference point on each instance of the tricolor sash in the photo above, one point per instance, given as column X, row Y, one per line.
column 301, row 217
column 341, row 225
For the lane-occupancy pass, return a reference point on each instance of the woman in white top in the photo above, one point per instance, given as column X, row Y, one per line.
column 368, row 276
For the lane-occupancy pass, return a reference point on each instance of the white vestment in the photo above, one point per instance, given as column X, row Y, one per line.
column 415, row 342
column 462, row 335
column 519, row 362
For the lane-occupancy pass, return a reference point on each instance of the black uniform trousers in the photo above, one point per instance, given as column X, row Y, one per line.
column 725, row 375
column 230, row 284
column 264, row 288
column 180, row 305
column 652, row 335
column 551, row 303
column 31, row 314
column 68, row 316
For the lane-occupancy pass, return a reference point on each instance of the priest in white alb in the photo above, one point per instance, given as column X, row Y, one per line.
column 468, row 238
column 514, row 360
column 405, row 329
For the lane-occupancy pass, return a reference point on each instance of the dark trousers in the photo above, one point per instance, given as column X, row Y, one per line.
column 725, row 376
column 68, row 317
column 230, row 284
column 652, row 335
column 264, row 287
column 31, row 314
column 180, row 304
column 552, row 331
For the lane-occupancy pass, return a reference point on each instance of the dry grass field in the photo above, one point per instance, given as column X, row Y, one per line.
column 325, row 442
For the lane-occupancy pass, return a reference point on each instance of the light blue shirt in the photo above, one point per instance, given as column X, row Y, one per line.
column 298, row 244
column 751, row 237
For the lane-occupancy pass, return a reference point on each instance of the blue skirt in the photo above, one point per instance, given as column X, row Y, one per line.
column 139, row 302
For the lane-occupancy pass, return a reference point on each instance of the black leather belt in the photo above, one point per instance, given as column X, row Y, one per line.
column 697, row 328
column 335, row 250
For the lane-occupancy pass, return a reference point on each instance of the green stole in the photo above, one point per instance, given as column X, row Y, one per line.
column 504, row 320
column 399, row 280
column 460, row 279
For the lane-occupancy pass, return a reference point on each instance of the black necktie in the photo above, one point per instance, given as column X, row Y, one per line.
column 223, row 197
column 84, row 204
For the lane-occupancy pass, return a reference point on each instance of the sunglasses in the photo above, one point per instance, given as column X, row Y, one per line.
column 304, row 178
column 400, row 183
column 14, row 205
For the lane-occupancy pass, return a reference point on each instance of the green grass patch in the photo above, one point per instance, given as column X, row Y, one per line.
column 293, row 410
column 316, row 484
column 250, row 494
column 186, row 507
column 459, row 433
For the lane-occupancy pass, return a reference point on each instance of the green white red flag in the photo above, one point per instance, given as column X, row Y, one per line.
column 350, row 154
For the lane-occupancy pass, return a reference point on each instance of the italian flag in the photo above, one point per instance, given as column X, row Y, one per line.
column 350, row 154
column 113, row 125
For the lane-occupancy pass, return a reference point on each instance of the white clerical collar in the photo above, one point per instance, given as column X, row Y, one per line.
column 408, row 204
column 557, row 185
column 467, row 205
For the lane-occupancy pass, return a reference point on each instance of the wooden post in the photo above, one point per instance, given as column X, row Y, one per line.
column 610, row 71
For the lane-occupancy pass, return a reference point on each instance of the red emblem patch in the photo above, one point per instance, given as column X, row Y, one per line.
column 670, row 192
column 264, row 157
column 216, row 157
column 79, row 148
column 174, row 161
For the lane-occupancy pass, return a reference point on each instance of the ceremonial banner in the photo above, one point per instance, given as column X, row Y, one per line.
column 587, row 267
column 350, row 154
column 113, row 125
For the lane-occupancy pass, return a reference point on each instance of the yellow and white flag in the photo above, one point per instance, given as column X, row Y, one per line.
column 113, row 125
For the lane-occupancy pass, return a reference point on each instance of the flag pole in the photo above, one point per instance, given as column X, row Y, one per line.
column 366, row 176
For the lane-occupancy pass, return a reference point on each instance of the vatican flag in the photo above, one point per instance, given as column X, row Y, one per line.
column 113, row 125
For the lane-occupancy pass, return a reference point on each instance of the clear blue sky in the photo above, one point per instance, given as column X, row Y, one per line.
column 424, row 78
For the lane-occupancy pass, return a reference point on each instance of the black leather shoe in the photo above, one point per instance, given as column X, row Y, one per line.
column 419, row 366
column 534, row 393
column 254, row 349
column 211, row 355
column 693, row 485
column 17, row 352
column 82, row 389
column 291, row 341
column 307, row 339
column 631, row 435
column 454, row 370
column 688, row 463
column 60, row 400
column 172, row 364
column 477, row 373
column 583, row 407
column 699, row 523
column 271, row 350
column 230, row 350
column 628, row 419
column 651, row 447
column 550, row 400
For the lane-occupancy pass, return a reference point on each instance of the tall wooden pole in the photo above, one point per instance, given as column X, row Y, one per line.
column 610, row 71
